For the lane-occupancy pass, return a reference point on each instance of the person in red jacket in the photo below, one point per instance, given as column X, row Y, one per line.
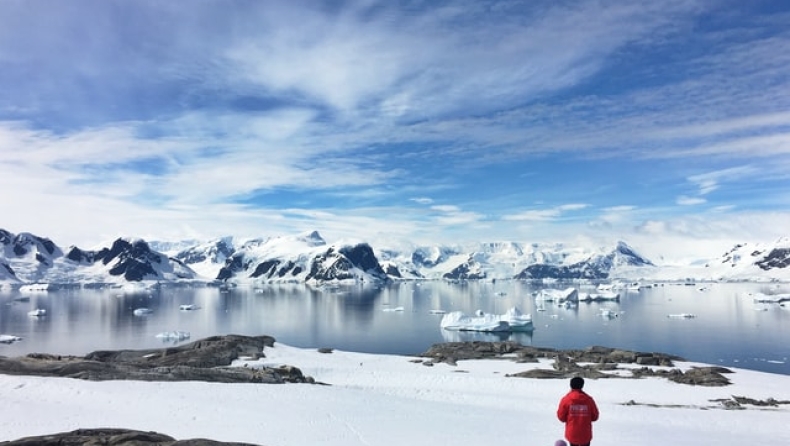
column 578, row 411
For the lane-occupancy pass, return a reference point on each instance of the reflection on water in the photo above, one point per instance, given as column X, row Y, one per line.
column 729, row 328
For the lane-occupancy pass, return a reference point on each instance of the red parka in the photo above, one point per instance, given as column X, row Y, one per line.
column 577, row 410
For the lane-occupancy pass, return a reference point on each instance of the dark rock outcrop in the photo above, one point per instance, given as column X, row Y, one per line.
column 466, row 271
column 204, row 360
column 777, row 258
column 112, row 437
column 581, row 270
column 592, row 362
column 698, row 376
column 340, row 264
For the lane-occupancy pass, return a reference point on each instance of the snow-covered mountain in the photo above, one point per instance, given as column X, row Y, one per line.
column 741, row 260
column 308, row 258
column 32, row 259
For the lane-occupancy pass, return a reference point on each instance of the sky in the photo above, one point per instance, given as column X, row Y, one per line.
column 663, row 123
column 392, row 400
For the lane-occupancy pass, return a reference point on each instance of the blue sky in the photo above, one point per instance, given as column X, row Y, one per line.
column 662, row 123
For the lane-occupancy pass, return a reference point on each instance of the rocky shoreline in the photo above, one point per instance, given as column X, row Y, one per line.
column 210, row 360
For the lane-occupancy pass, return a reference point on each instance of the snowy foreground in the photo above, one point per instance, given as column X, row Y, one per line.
column 392, row 400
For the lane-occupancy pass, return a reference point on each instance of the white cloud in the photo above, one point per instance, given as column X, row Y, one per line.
column 690, row 201
column 215, row 104
column 449, row 208
column 545, row 214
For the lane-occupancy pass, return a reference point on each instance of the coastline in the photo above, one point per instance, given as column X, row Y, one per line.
column 392, row 399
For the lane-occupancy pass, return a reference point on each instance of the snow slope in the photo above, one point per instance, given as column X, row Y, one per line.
column 393, row 400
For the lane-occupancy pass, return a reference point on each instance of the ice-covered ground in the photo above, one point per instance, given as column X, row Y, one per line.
column 393, row 400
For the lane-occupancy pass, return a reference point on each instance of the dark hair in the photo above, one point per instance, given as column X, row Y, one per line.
column 577, row 382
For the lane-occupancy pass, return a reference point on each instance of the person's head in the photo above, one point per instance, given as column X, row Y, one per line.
column 577, row 382
column 560, row 443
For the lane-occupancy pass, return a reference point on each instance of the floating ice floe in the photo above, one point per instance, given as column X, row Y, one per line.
column 608, row 314
column 142, row 311
column 37, row 312
column 437, row 311
column 175, row 335
column 188, row 307
column 394, row 309
column 9, row 339
column 682, row 316
column 599, row 297
column 770, row 298
column 632, row 286
column 558, row 296
column 35, row 288
column 513, row 320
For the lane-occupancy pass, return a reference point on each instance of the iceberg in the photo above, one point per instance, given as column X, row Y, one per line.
column 770, row 298
column 175, row 335
column 188, row 307
column 142, row 311
column 512, row 320
column 599, row 297
column 9, row 339
column 37, row 312
column 682, row 316
column 558, row 296
column 35, row 288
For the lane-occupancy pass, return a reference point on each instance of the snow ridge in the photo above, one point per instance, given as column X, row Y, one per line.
column 307, row 258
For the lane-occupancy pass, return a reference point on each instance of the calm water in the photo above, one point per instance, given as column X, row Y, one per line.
column 729, row 328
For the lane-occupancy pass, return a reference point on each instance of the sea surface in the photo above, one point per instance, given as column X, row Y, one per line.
column 728, row 329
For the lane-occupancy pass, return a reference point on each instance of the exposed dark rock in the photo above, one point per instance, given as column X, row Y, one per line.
column 267, row 269
column 204, row 360
column 770, row 402
column 233, row 264
column 362, row 256
column 592, row 362
column 581, row 270
column 134, row 259
column 7, row 268
column 198, row 254
column 339, row 264
column 289, row 266
column 112, row 437
column 393, row 271
column 465, row 271
column 698, row 376
column 77, row 255
column 777, row 258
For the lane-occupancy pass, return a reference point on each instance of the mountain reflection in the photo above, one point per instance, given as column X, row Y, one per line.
column 404, row 318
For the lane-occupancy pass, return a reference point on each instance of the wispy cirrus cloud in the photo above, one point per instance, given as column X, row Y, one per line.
column 292, row 114
column 546, row 214
column 684, row 200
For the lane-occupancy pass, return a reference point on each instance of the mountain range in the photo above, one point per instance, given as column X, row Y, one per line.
column 26, row 259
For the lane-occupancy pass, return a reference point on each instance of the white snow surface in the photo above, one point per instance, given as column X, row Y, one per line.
column 388, row 400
